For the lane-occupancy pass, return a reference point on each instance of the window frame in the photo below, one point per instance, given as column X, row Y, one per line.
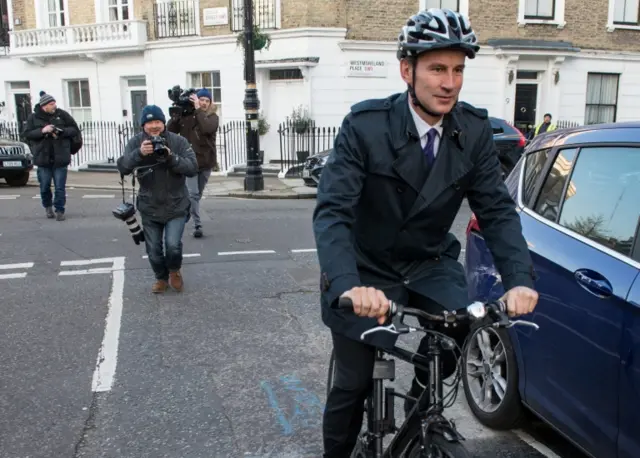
column 463, row 6
column 615, row 106
column 201, row 72
column 42, row 14
column 558, row 18
column 71, row 108
column 632, row 24
column 612, row 25
column 526, row 208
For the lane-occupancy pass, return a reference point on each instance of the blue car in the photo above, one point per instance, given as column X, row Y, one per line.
column 577, row 192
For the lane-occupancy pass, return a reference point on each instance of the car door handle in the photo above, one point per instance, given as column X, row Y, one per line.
column 594, row 282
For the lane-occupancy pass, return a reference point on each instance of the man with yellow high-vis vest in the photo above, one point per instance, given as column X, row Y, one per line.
column 546, row 126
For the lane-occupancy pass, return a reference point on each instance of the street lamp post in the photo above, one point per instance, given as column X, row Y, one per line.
column 253, row 180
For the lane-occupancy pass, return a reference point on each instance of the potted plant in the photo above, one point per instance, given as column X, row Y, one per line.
column 261, row 40
column 263, row 128
column 300, row 120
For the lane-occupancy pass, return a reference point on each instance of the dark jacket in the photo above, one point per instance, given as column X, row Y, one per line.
column 200, row 129
column 163, row 192
column 383, row 220
column 49, row 151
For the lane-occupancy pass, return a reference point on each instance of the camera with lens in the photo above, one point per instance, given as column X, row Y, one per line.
column 181, row 103
column 127, row 212
column 159, row 146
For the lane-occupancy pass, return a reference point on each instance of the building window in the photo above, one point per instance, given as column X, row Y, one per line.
column 118, row 10
column 55, row 11
column 626, row 12
column 541, row 12
column 539, row 9
column 449, row 4
column 79, row 100
column 602, row 98
column 211, row 81
column 285, row 74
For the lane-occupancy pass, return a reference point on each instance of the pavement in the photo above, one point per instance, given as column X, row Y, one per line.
column 218, row 186
column 95, row 366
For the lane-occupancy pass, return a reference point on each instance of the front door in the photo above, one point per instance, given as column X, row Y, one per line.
column 525, row 111
column 629, row 392
column 573, row 360
column 138, row 102
column 23, row 108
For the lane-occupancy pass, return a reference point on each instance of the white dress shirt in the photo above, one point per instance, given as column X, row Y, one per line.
column 424, row 127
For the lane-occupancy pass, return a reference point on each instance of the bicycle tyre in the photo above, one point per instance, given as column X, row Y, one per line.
column 331, row 374
column 446, row 448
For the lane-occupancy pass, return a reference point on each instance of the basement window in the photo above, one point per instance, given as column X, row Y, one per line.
column 285, row 74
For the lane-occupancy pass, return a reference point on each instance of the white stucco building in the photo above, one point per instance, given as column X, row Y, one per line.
column 107, row 70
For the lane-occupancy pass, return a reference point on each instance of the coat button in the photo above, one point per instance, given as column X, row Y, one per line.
column 406, row 281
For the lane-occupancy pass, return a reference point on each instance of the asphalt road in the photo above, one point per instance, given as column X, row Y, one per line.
column 93, row 365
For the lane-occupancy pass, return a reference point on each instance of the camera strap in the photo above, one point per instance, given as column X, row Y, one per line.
column 133, row 188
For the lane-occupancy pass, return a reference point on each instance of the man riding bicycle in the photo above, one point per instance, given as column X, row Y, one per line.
column 387, row 198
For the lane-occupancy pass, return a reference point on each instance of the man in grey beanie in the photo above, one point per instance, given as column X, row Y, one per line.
column 53, row 136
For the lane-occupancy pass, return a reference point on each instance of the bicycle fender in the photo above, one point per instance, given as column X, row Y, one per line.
column 445, row 430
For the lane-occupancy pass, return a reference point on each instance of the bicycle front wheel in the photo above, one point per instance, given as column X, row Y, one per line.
column 440, row 448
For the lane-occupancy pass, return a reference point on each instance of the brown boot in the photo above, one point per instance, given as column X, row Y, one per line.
column 160, row 286
column 175, row 280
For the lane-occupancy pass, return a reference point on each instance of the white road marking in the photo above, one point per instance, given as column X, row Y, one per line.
column 9, row 197
column 543, row 449
column 304, row 250
column 86, row 262
column 22, row 265
column 9, row 276
column 98, row 270
column 37, row 196
column 98, row 196
column 107, row 360
column 229, row 253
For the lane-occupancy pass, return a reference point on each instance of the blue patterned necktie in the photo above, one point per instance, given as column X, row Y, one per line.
column 429, row 150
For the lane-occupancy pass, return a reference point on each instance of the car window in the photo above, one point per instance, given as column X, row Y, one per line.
column 532, row 170
column 496, row 126
column 601, row 202
column 550, row 198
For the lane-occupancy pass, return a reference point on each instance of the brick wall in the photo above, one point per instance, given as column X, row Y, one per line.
column 586, row 25
column 382, row 19
column 81, row 12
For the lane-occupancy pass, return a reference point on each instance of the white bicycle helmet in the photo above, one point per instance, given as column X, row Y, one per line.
column 436, row 29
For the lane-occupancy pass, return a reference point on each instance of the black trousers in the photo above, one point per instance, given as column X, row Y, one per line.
column 344, row 410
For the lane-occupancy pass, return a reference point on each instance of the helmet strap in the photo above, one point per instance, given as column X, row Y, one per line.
column 414, row 97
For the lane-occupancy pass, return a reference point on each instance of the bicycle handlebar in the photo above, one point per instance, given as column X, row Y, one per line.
column 495, row 310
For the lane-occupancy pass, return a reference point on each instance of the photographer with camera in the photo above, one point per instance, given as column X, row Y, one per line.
column 161, row 162
column 53, row 136
column 194, row 117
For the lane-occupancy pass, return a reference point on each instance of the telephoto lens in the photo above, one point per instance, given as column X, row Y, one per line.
column 127, row 213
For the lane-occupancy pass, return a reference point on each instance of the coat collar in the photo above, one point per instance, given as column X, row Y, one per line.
column 452, row 161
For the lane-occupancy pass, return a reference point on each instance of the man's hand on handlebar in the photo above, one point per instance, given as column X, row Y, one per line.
column 520, row 300
column 369, row 302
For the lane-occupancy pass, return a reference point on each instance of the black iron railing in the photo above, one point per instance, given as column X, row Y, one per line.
column 175, row 19
column 299, row 141
column 105, row 141
column 264, row 14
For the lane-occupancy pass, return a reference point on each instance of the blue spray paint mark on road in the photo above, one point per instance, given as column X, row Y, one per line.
column 306, row 411
column 288, row 430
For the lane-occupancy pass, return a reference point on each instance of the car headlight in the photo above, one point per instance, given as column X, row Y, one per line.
column 27, row 150
column 323, row 160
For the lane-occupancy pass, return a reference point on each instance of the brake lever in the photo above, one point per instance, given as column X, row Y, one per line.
column 396, row 327
column 404, row 329
column 523, row 323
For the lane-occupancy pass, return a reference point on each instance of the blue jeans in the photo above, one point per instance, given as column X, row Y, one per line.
column 59, row 177
column 168, row 259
